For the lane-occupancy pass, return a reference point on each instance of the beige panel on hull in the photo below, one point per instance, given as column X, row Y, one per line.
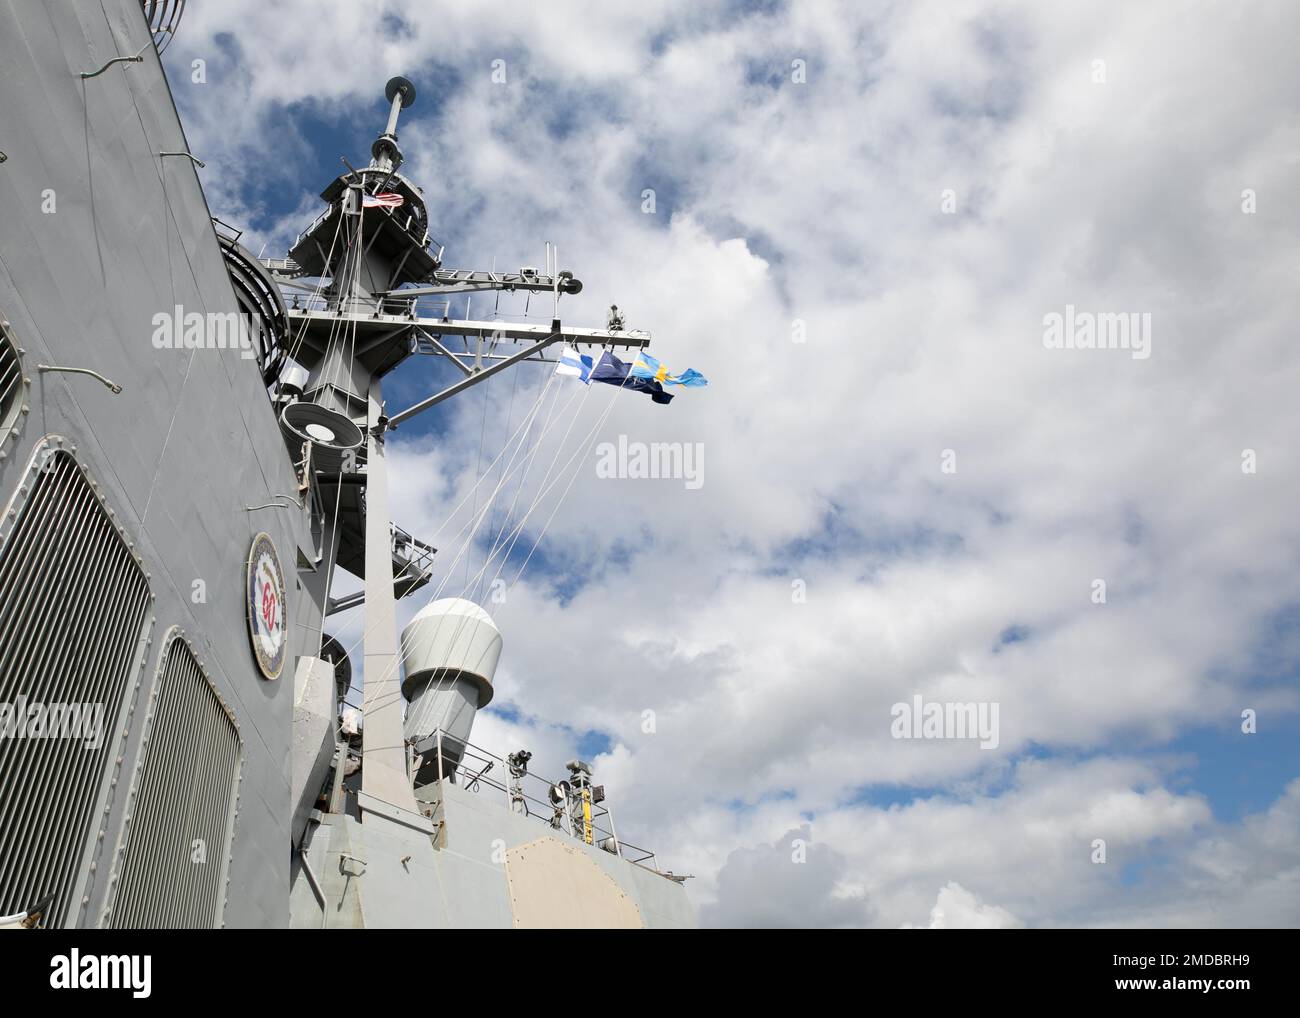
column 555, row 886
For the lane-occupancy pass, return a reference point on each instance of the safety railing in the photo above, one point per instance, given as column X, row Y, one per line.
column 415, row 555
column 403, row 307
column 403, row 220
column 554, row 803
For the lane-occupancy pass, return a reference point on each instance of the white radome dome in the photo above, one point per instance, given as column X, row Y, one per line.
column 450, row 651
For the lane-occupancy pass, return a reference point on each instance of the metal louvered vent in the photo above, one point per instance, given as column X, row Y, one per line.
column 164, row 16
column 173, row 862
column 75, row 613
column 259, row 301
column 13, row 387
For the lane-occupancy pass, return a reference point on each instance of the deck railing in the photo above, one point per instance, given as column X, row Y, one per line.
column 483, row 772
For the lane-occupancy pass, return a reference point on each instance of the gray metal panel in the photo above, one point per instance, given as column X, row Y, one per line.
column 478, row 826
column 315, row 721
column 192, row 439
column 385, row 873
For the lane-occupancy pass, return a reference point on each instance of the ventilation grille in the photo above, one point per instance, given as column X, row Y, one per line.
column 12, row 385
column 74, row 612
column 164, row 16
column 260, row 300
column 172, row 873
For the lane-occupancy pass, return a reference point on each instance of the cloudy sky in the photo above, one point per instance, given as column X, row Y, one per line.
column 860, row 218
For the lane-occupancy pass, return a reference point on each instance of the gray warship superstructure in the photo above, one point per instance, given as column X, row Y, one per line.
column 188, row 460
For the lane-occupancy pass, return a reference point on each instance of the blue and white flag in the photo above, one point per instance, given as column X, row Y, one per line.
column 574, row 364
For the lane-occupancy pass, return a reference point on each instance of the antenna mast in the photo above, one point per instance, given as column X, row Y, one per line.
column 372, row 253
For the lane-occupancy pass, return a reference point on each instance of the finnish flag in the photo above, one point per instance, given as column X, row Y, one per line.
column 574, row 364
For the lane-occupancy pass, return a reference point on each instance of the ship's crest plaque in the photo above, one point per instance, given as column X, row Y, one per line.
column 267, row 619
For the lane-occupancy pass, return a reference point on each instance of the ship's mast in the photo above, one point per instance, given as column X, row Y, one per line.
column 375, row 263
column 383, row 773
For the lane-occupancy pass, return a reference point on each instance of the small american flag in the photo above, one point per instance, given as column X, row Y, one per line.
column 386, row 200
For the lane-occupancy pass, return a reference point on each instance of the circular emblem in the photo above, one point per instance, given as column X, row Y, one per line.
column 267, row 620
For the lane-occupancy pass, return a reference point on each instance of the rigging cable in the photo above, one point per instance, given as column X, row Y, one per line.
column 464, row 546
column 527, row 466
column 588, row 440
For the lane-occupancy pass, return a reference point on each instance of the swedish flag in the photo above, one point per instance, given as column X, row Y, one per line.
column 647, row 367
